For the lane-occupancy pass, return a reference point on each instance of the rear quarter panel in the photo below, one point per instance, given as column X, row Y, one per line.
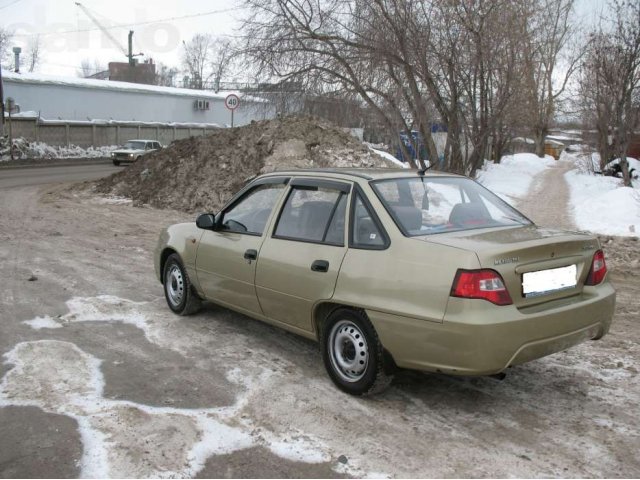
column 410, row 278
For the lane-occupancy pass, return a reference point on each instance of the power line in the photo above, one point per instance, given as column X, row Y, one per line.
column 128, row 25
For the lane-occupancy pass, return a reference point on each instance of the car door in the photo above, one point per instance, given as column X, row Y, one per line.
column 300, row 261
column 226, row 258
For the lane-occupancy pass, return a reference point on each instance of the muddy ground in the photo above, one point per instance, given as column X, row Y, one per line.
column 102, row 380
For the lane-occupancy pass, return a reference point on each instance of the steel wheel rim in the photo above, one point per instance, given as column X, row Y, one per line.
column 348, row 351
column 174, row 285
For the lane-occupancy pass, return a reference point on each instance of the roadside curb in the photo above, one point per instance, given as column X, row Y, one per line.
column 61, row 162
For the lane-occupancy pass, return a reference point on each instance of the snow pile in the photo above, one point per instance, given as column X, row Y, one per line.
column 602, row 205
column 24, row 149
column 632, row 162
column 386, row 155
column 512, row 177
column 202, row 173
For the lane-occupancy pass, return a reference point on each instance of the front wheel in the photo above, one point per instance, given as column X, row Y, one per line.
column 116, row 163
column 353, row 354
column 178, row 289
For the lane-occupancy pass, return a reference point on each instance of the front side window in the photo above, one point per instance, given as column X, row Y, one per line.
column 428, row 205
column 251, row 213
column 313, row 214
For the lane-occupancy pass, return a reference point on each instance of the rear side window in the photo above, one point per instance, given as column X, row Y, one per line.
column 366, row 232
column 313, row 215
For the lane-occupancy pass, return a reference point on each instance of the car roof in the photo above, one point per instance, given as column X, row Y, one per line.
column 361, row 173
column 141, row 140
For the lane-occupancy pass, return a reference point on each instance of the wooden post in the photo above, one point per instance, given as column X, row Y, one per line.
column 10, row 135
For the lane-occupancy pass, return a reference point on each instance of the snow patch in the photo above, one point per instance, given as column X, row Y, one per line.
column 299, row 449
column 60, row 378
column 388, row 156
column 111, row 200
column 23, row 149
column 602, row 205
column 513, row 176
column 39, row 323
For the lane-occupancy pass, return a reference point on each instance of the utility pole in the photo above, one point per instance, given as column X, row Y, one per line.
column 1, row 103
column 16, row 52
column 130, row 55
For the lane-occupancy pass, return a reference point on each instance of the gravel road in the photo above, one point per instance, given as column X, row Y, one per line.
column 100, row 379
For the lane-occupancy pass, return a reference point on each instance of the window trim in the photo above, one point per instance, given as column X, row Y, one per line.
column 241, row 195
column 312, row 184
column 359, row 192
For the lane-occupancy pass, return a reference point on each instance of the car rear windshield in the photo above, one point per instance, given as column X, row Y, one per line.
column 135, row 145
column 426, row 205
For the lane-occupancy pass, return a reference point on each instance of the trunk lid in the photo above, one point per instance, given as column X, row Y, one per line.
column 513, row 252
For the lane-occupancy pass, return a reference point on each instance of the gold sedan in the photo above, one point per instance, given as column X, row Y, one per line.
column 391, row 268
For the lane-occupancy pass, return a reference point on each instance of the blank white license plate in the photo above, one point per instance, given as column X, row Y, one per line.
column 546, row 281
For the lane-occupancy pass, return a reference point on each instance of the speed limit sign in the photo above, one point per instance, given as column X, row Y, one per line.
column 232, row 101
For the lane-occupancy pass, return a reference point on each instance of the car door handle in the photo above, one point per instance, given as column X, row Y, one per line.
column 320, row 266
column 251, row 254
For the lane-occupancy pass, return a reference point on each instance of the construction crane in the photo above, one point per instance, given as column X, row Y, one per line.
column 129, row 54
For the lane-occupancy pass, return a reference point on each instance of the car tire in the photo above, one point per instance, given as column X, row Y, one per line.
column 116, row 163
column 178, row 290
column 353, row 354
column 138, row 158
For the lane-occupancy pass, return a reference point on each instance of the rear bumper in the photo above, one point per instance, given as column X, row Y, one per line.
column 479, row 338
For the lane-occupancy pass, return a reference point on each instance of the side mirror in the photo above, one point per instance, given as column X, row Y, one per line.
column 206, row 221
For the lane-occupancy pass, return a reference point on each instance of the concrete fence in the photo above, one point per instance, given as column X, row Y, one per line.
column 60, row 133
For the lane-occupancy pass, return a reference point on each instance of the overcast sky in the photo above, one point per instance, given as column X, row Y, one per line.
column 69, row 35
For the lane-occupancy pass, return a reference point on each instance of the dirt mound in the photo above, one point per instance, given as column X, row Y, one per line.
column 201, row 173
column 622, row 254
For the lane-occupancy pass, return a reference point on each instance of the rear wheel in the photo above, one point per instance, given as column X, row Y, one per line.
column 353, row 354
column 178, row 289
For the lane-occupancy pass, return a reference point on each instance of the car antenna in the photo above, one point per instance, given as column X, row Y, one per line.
column 422, row 171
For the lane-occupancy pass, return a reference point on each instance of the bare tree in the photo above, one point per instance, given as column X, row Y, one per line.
column 206, row 60
column 89, row 67
column 412, row 62
column 6, row 37
column 610, row 81
column 34, row 53
column 549, row 35
column 165, row 75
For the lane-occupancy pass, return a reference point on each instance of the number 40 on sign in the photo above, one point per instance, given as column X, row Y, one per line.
column 232, row 102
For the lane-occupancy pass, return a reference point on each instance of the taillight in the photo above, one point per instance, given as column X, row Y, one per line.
column 483, row 284
column 598, row 269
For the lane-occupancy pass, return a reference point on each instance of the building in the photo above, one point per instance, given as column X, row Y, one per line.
column 84, row 99
column 136, row 73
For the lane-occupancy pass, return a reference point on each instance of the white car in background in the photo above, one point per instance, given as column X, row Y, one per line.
column 133, row 150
